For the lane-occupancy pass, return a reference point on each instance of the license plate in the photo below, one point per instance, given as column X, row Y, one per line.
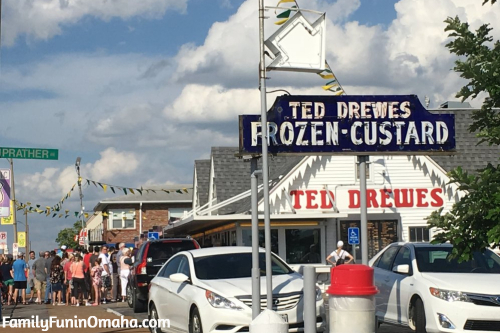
column 285, row 317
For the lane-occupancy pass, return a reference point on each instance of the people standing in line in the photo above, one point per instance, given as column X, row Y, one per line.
column 107, row 270
column 68, row 278
column 48, row 267
column 8, row 279
column 31, row 276
column 124, row 271
column 19, row 269
column 64, row 260
column 115, row 278
column 79, row 286
column 339, row 255
column 56, row 280
column 96, row 274
column 40, row 276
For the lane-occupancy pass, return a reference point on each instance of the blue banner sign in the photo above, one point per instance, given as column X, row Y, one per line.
column 360, row 125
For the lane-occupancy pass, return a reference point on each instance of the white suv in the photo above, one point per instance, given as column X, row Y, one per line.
column 422, row 288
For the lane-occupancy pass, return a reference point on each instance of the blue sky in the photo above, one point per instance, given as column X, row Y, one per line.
column 141, row 89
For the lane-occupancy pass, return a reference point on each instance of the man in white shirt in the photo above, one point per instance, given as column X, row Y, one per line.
column 106, row 273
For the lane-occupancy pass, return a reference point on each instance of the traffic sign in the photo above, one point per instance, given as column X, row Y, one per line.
column 29, row 153
column 154, row 235
column 353, row 236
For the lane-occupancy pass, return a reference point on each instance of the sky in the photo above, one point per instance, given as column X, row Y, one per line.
column 141, row 89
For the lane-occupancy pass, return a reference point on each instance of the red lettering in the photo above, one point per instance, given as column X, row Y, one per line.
column 403, row 197
column 436, row 196
column 384, row 195
column 421, row 196
column 297, row 194
column 371, row 198
column 310, row 196
column 325, row 199
column 353, row 198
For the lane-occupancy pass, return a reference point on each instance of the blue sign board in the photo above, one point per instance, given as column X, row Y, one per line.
column 154, row 235
column 353, row 236
column 355, row 124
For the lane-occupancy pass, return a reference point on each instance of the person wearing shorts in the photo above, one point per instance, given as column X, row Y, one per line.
column 19, row 268
column 8, row 280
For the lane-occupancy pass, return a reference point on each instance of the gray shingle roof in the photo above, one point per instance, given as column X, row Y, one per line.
column 232, row 174
column 469, row 156
column 202, row 172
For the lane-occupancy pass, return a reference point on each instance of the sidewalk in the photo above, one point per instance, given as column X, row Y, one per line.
column 44, row 312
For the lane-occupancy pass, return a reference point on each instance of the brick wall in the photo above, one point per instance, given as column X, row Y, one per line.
column 152, row 215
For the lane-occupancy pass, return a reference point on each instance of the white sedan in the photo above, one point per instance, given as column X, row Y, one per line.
column 422, row 288
column 210, row 290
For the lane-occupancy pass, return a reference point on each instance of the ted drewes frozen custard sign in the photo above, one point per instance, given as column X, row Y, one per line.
column 349, row 124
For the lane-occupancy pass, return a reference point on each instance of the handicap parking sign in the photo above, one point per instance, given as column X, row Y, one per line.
column 153, row 235
column 353, row 235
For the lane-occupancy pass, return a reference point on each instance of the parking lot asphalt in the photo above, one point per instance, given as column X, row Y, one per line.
column 110, row 311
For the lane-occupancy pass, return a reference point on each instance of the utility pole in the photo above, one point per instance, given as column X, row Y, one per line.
column 13, row 199
column 77, row 166
column 28, row 245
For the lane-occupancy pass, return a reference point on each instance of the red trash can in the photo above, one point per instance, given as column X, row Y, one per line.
column 352, row 299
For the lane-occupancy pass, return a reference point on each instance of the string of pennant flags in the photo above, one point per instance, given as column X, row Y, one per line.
column 57, row 211
column 333, row 85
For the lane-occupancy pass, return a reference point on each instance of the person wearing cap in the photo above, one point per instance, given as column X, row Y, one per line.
column 19, row 269
column 339, row 256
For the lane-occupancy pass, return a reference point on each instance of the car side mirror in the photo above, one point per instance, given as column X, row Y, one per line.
column 178, row 277
column 402, row 269
column 128, row 261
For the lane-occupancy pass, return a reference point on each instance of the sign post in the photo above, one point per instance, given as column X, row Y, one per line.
column 29, row 153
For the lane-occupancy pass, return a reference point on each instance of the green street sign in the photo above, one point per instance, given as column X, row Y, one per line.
column 29, row 153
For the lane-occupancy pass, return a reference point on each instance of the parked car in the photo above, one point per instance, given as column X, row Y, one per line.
column 148, row 260
column 421, row 287
column 210, row 290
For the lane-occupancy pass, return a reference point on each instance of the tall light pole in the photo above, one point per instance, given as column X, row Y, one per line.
column 13, row 198
column 265, row 171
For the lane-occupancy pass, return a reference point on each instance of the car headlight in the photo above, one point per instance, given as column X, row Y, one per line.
column 449, row 295
column 319, row 294
column 217, row 301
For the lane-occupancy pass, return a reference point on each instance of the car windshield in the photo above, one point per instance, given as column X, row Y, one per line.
column 164, row 250
column 437, row 260
column 234, row 265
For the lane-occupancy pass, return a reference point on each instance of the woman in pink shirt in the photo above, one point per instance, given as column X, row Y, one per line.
column 79, row 288
column 67, row 277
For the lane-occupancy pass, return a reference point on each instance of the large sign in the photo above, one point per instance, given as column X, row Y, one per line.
column 361, row 125
column 5, row 204
column 29, row 153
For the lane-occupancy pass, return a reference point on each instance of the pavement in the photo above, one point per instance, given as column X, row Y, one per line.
column 112, row 311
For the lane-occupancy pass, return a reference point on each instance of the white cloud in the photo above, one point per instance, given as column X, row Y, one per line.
column 43, row 19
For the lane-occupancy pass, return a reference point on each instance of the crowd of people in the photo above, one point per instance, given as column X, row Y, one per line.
column 81, row 277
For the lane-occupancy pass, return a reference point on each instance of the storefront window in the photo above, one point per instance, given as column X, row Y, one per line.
column 380, row 234
column 419, row 234
column 247, row 239
column 303, row 246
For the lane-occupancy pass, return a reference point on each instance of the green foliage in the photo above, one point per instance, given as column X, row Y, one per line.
column 473, row 223
column 67, row 236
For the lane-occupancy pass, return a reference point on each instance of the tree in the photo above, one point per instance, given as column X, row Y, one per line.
column 473, row 224
column 67, row 236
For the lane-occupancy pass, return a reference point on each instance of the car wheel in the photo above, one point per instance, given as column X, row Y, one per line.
column 195, row 322
column 153, row 314
column 130, row 297
column 139, row 305
column 419, row 318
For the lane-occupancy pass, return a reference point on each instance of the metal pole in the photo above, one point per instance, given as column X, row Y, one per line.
column 265, row 170
column 255, row 240
column 77, row 165
column 13, row 199
column 309, row 299
column 364, row 223
column 28, row 245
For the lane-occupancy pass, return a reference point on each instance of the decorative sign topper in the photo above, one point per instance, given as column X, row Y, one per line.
column 355, row 124
column 298, row 45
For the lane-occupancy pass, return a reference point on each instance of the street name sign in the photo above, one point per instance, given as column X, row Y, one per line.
column 29, row 153
column 350, row 124
column 353, row 237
